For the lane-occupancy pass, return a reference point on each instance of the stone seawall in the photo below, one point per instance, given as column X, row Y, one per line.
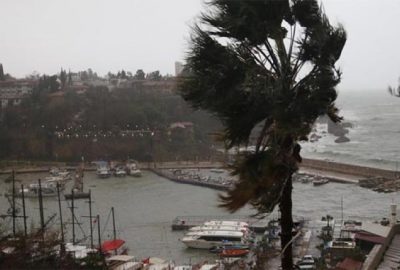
column 187, row 181
column 356, row 170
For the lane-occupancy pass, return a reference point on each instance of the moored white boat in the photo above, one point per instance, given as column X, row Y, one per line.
column 208, row 239
column 103, row 172
column 120, row 172
column 133, row 168
column 123, row 262
column 226, row 223
column 136, row 173
column 49, row 189
column 219, row 228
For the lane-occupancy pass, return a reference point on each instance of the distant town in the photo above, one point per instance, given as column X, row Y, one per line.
column 70, row 115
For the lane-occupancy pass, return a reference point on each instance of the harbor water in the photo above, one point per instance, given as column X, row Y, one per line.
column 145, row 208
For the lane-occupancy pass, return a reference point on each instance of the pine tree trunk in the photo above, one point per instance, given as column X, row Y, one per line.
column 286, row 225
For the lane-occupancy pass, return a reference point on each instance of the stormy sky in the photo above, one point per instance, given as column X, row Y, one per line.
column 110, row 35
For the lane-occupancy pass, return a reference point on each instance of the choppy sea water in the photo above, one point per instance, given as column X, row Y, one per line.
column 375, row 116
column 146, row 206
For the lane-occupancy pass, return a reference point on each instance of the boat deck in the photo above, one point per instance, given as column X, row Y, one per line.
column 186, row 222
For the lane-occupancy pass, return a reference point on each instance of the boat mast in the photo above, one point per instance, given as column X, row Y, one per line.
column 90, row 219
column 24, row 210
column 98, row 231
column 61, row 217
column 13, row 202
column 41, row 207
column 73, row 216
column 114, row 230
column 113, row 219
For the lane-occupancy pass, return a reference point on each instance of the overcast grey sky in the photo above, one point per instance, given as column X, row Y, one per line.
column 109, row 35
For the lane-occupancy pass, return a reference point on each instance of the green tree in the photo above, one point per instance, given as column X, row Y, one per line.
column 266, row 68
column 140, row 74
column 63, row 78
column 123, row 74
column 155, row 76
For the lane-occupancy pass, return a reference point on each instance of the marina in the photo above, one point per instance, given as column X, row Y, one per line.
column 148, row 208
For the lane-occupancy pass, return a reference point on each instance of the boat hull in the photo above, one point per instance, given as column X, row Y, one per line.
column 199, row 244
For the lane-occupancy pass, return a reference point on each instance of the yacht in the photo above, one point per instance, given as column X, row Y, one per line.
column 226, row 223
column 208, row 239
column 49, row 189
column 219, row 228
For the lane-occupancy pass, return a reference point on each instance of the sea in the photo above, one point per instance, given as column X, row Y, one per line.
column 375, row 117
column 145, row 207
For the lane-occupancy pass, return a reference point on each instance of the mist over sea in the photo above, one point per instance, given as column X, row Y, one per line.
column 375, row 134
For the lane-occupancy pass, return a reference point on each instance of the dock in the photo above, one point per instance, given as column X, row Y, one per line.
column 186, row 222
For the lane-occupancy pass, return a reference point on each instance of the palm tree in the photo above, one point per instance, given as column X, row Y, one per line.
column 266, row 69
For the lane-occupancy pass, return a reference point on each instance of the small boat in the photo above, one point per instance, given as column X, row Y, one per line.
column 111, row 245
column 219, row 249
column 219, row 228
column 234, row 252
column 61, row 173
column 133, row 168
column 77, row 195
column 49, row 189
column 103, row 172
column 319, row 182
column 77, row 190
column 120, row 172
column 123, row 262
column 226, row 223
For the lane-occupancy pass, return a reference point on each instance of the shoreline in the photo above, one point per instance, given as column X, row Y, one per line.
column 337, row 172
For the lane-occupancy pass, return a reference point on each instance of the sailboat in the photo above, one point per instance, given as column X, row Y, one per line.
column 77, row 191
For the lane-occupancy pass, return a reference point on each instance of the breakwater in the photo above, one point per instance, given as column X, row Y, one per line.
column 321, row 165
column 349, row 169
column 188, row 180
